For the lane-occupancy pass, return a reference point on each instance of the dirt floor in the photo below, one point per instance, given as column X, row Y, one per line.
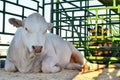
column 111, row 73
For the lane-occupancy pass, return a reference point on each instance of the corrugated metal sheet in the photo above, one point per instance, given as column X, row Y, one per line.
column 109, row 2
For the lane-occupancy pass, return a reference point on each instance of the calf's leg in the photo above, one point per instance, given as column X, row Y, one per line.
column 9, row 66
column 49, row 65
column 74, row 66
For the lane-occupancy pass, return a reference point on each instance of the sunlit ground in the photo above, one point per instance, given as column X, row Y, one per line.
column 111, row 73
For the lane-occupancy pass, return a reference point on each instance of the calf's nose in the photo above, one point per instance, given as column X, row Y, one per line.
column 37, row 49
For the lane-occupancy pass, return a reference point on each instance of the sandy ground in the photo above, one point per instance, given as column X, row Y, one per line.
column 111, row 73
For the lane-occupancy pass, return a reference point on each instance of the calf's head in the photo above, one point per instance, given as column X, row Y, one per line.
column 33, row 31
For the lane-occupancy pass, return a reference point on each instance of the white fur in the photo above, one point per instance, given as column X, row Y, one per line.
column 56, row 52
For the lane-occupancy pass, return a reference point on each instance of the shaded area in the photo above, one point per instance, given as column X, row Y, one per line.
column 110, row 3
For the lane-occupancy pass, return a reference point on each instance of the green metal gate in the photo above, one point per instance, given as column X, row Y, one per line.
column 69, row 17
column 74, row 18
column 106, row 47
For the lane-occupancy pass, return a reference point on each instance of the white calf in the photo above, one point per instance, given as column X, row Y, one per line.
column 34, row 50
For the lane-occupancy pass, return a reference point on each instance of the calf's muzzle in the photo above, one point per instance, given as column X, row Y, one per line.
column 37, row 49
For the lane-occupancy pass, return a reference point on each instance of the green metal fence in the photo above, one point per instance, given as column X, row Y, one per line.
column 106, row 48
column 74, row 18
column 69, row 19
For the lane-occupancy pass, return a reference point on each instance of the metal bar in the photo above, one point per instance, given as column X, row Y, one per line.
column 20, row 5
column 4, row 6
column 57, row 18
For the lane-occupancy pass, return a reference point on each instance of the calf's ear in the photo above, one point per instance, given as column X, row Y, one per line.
column 50, row 25
column 16, row 22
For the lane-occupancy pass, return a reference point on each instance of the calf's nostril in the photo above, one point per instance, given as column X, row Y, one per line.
column 33, row 47
column 41, row 47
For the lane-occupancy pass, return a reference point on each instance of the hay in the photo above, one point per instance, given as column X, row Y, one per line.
column 111, row 73
column 63, row 75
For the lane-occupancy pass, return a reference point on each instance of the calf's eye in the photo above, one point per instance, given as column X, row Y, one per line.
column 26, row 29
